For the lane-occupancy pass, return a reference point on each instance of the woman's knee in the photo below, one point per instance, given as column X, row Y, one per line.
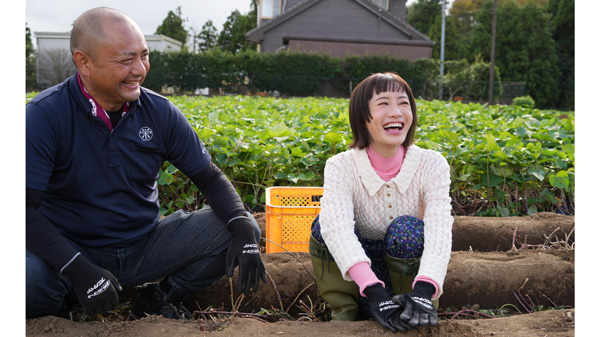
column 405, row 237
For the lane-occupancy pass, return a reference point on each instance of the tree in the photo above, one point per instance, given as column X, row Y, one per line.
column 55, row 65
column 452, row 40
column 208, row 37
column 30, row 75
column 423, row 14
column 463, row 15
column 233, row 36
column 172, row 26
column 563, row 20
column 462, row 19
column 525, row 49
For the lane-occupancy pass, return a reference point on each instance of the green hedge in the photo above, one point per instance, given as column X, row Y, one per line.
column 304, row 74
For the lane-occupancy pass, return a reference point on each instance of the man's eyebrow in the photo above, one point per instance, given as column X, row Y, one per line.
column 133, row 53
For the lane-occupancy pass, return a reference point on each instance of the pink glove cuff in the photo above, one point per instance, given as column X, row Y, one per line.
column 364, row 276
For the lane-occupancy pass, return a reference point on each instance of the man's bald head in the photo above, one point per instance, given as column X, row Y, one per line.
column 88, row 30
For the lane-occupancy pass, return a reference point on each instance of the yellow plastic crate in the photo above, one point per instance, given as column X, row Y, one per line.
column 290, row 212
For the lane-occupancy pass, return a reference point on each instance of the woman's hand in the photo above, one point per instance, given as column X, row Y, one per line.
column 385, row 311
column 418, row 309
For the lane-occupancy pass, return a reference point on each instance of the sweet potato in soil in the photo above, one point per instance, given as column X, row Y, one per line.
column 485, row 272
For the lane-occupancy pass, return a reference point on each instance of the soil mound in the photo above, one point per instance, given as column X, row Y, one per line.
column 556, row 323
column 520, row 263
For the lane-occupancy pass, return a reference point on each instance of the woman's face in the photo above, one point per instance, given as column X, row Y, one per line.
column 392, row 118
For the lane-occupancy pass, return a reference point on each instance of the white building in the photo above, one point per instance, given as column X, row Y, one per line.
column 54, row 62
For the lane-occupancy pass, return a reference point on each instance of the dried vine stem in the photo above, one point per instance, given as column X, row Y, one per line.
column 213, row 312
column 465, row 312
column 276, row 290
column 298, row 296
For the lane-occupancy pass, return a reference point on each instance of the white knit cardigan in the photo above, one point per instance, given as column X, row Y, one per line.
column 354, row 195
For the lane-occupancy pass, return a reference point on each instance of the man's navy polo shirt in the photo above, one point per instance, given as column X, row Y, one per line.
column 100, row 187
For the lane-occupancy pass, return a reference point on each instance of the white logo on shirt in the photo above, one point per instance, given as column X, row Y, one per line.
column 145, row 133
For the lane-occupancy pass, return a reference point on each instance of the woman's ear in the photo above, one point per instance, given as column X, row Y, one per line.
column 81, row 60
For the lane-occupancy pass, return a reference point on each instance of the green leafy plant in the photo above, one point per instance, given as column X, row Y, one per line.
column 504, row 160
column 524, row 101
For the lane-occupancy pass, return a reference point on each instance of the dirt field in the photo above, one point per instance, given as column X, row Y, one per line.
column 485, row 272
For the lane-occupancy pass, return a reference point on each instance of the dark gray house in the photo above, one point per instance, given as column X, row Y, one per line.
column 338, row 28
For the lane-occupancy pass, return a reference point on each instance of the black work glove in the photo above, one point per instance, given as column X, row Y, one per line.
column 95, row 287
column 385, row 311
column 243, row 251
column 418, row 309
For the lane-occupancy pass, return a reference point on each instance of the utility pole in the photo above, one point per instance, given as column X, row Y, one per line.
column 492, row 56
column 441, row 95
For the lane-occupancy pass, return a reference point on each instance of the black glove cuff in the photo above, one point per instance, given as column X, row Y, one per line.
column 423, row 289
column 77, row 268
column 241, row 225
column 376, row 292
column 71, row 262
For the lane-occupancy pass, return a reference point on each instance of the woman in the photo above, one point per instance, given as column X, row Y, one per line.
column 385, row 222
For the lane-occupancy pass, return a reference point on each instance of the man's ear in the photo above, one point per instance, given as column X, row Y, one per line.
column 81, row 60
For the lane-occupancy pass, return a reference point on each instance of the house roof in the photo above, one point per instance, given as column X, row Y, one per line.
column 160, row 37
column 67, row 35
column 53, row 35
column 257, row 34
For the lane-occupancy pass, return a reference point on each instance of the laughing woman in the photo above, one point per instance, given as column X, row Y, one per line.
column 381, row 245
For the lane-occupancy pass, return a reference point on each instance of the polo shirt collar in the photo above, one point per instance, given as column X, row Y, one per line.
column 85, row 104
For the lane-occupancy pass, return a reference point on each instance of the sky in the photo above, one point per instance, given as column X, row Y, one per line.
column 59, row 15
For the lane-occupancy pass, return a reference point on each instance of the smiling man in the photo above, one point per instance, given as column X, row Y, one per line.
column 95, row 145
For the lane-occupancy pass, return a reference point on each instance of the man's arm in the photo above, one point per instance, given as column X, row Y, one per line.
column 219, row 193
column 42, row 237
column 227, row 205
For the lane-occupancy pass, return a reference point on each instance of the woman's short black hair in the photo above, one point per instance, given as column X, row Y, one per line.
column 359, row 106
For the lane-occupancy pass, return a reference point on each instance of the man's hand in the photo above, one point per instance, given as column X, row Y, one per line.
column 243, row 251
column 385, row 311
column 418, row 309
column 95, row 287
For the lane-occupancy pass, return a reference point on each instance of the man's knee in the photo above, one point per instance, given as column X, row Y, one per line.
column 45, row 289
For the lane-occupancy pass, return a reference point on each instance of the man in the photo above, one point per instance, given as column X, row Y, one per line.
column 95, row 144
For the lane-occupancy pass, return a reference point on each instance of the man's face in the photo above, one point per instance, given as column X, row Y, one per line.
column 118, row 66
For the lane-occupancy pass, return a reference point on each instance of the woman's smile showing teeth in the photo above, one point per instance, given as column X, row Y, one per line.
column 394, row 127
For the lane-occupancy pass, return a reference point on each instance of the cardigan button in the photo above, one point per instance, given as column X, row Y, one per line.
column 389, row 206
column 391, row 217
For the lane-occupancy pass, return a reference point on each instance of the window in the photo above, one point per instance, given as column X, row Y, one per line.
column 381, row 3
column 269, row 8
